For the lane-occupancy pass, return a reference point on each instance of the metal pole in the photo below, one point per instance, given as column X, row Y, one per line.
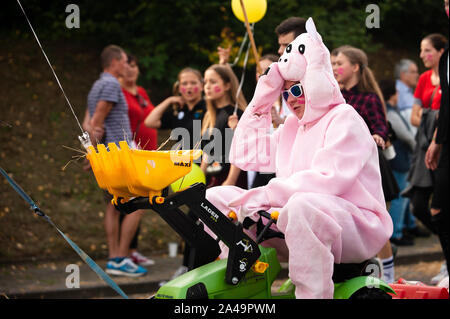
column 252, row 40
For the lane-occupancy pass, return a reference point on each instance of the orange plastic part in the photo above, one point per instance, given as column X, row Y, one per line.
column 260, row 267
column 275, row 214
column 126, row 172
column 418, row 292
column 232, row 215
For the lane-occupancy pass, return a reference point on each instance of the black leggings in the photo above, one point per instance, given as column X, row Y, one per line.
column 420, row 202
column 441, row 201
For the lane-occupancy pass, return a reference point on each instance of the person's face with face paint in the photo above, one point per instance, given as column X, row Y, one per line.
column 215, row 87
column 343, row 69
column 190, row 86
column 297, row 104
column 429, row 55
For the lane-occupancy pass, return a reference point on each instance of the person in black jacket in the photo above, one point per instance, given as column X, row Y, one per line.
column 437, row 159
column 402, row 139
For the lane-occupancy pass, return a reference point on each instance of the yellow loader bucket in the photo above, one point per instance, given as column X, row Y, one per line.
column 127, row 173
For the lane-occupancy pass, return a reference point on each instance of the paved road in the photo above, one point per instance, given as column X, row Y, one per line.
column 48, row 279
column 421, row 271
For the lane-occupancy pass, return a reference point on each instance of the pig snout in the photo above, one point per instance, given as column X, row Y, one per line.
column 292, row 65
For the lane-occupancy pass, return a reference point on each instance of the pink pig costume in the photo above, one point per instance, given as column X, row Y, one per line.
column 327, row 187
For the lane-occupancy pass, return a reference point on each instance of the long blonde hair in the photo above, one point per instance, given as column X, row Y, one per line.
column 227, row 75
column 367, row 81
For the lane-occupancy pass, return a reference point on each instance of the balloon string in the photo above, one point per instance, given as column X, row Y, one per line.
column 238, row 57
column 51, row 67
column 243, row 73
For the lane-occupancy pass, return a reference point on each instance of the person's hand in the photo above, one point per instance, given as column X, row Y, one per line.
column 268, row 90
column 224, row 54
column 176, row 100
column 250, row 202
column 276, row 119
column 379, row 140
column 227, row 182
column 432, row 155
column 97, row 133
column 233, row 121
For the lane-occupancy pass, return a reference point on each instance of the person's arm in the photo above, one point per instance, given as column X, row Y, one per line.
column 233, row 175
column 224, row 54
column 93, row 131
column 204, row 163
column 402, row 132
column 433, row 153
column 379, row 140
column 277, row 120
column 253, row 147
column 334, row 170
column 86, row 121
column 233, row 121
column 374, row 113
column 416, row 115
column 98, row 119
column 153, row 120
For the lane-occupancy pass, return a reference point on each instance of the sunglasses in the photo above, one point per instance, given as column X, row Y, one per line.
column 142, row 102
column 296, row 90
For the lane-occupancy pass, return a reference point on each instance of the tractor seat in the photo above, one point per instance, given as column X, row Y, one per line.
column 343, row 272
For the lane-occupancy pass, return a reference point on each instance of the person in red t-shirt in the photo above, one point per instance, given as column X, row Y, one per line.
column 139, row 106
column 428, row 91
column 427, row 102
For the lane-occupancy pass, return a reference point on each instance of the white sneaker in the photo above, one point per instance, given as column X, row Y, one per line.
column 181, row 270
column 443, row 283
column 141, row 260
column 443, row 272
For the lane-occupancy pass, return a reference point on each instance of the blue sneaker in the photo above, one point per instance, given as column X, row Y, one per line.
column 125, row 268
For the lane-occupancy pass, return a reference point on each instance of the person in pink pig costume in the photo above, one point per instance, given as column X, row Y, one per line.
column 327, row 188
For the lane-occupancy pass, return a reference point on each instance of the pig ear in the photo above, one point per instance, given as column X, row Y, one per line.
column 312, row 31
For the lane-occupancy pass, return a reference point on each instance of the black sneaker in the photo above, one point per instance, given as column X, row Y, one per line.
column 407, row 235
column 418, row 232
column 402, row 241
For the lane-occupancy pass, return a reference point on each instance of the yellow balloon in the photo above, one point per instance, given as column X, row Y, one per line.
column 194, row 176
column 255, row 9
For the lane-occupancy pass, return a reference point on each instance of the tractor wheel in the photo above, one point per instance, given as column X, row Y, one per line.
column 370, row 293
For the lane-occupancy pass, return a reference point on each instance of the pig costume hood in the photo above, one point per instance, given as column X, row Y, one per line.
column 327, row 187
column 307, row 60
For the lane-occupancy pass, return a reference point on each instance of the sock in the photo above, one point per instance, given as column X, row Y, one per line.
column 117, row 259
column 388, row 269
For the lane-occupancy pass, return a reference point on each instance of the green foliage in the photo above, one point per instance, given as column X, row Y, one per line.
column 169, row 35
column 166, row 36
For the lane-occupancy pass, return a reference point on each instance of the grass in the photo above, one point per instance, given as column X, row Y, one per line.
column 35, row 124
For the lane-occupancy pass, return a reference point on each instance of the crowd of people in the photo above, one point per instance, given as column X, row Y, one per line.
column 401, row 114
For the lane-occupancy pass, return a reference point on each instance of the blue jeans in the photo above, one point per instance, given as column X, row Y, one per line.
column 399, row 210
